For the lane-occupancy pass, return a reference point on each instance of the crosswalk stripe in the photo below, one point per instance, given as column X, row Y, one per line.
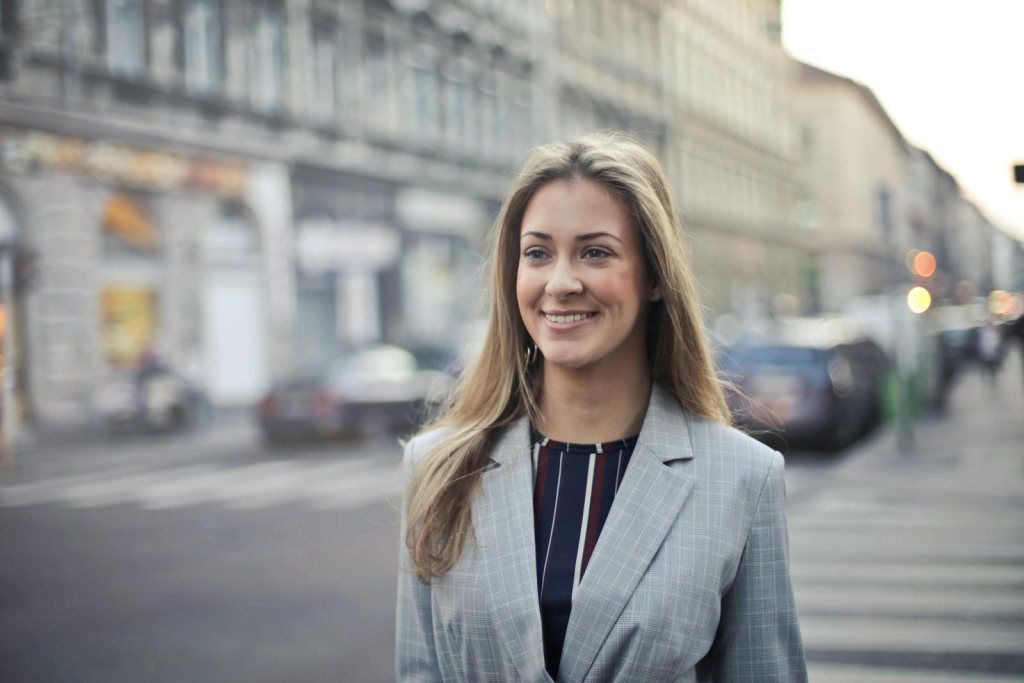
column 323, row 485
column 117, row 490
column 932, row 600
column 885, row 579
column 370, row 485
column 837, row 547
column 183, row 491
column 840, row 673
column 866, row 633
column 850, row 504
column 845, row 573
column 907, row 523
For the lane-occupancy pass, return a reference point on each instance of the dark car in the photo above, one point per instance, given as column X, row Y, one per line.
column 371, row 390
column 824, row 395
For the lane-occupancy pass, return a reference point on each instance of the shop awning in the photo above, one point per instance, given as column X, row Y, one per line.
column 124, row 218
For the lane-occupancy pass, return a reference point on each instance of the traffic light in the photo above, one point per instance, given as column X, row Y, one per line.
column 1018, row 173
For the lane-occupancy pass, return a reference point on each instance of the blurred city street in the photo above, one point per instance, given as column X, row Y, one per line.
column 910, row 567
column 212, row 558
column 244, row 245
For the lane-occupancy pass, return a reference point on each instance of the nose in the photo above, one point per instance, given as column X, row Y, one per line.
column 563, row 281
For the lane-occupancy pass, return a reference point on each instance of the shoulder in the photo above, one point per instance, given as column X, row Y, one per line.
column 725, row 453
column 420, row 445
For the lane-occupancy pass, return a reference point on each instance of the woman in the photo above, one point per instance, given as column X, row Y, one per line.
column 594, row 387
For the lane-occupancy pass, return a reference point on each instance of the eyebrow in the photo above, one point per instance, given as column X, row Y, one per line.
column 579, row 238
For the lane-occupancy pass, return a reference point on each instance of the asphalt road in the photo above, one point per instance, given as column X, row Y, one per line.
column 210, row 558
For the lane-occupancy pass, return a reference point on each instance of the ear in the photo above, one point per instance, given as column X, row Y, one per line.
column 654, row 293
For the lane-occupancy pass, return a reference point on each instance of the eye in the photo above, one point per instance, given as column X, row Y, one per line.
column 595, row 252
column 534, row 254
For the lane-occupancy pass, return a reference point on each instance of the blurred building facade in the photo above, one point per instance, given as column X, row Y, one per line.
column 854, row 168
column 709, row 87
column 250, row 187
column 871, row 198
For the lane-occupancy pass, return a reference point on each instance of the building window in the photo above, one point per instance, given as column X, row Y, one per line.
column 488, row 112
column 126, row 37
column 202, row 33
column 807, row 141
column 470, row 118
column 378, row 79
column 455, row 112
column 522, row 118
column 325, row 65
column 267, row 56
column 425, row 104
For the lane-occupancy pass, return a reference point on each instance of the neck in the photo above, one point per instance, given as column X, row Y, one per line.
column 593, row 405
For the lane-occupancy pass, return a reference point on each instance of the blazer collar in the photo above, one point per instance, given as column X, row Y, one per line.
column 647, row 503
column 664, row 432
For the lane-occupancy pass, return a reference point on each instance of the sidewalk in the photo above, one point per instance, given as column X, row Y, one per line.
column 907, row 566
column 70, row 452
column 975, row 448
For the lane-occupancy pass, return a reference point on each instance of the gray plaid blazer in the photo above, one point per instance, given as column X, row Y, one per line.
column 689, row 580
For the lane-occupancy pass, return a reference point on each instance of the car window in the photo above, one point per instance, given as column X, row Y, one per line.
column 778, row 356
column 385, row 364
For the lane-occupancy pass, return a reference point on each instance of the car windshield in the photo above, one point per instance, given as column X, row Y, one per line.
column 774, row 356
column 380, row 363
column 389, row 364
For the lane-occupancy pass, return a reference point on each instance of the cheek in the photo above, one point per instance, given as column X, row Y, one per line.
column 615, row 288
column 526, row 289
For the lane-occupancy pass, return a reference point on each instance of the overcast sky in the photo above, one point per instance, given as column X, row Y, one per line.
column 949, row 72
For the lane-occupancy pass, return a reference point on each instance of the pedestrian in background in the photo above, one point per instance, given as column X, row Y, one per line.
column 1015, row 330
column 581, row 508
column 990, row 346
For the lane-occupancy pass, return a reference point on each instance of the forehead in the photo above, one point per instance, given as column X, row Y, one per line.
column 567, row 207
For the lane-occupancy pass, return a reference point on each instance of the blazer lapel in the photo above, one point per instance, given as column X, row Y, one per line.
column 647, row 503
column 503, row 524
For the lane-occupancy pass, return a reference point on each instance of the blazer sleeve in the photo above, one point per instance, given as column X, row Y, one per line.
column 758, row 636
column 415, row 652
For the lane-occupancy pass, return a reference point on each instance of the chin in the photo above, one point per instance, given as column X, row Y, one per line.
column 567, row 361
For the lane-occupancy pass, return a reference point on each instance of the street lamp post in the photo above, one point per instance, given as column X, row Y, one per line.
column 905, row 434
column 8, row 415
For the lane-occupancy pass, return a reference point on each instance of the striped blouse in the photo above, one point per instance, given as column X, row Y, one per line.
column 574, row 485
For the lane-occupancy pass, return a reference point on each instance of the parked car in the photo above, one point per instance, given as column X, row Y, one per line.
column 379, row 388
column 825, row 394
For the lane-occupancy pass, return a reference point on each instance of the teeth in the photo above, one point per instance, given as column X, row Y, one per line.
column 569, row 318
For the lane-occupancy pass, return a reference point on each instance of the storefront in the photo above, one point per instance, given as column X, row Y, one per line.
column 441, row 266
column 13, row 400
column 346, row 248
column 139, row 249
column 236, row 357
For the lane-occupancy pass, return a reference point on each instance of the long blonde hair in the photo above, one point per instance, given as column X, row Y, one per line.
column 500, row 387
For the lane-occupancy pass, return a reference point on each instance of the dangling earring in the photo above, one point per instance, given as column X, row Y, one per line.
column 531, row 354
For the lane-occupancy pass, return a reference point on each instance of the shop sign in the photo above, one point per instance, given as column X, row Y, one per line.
column 129, row 322
column 428, row 211
column 325, row 245
column 27, row 150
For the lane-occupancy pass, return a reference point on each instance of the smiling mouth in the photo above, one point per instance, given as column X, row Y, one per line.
column 568, row 318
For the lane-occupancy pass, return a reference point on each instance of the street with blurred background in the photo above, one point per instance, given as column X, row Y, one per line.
column 242, row 245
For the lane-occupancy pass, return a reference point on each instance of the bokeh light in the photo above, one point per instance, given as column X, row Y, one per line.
column 919, row 300
column 909, row 259
column 924, row 264
column 1001, row 303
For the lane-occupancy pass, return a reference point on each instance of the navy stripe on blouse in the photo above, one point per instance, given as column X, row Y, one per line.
column 574, row 486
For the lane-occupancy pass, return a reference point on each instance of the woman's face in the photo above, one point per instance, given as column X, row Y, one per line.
column 581, row 283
